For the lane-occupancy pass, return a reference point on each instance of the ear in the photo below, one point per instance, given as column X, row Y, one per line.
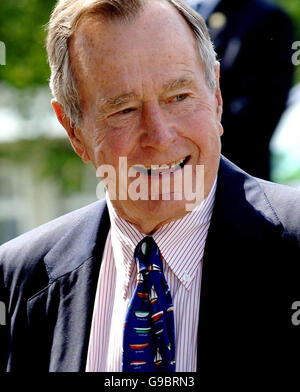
column 218, row 94
column 74, row 133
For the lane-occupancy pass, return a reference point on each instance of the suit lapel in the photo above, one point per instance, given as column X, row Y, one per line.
column 240, row 274
column 61, row 337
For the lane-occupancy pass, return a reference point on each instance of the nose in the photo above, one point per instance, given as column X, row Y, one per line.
column 157, row 130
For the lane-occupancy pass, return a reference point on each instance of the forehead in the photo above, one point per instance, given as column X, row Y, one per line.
column 158, row 44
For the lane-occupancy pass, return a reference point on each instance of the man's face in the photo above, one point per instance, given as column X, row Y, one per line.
column 144, row 97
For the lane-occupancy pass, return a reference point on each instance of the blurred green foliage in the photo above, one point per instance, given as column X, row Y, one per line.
column 281, row 170
column 292, row 7
column 51, row 159
column 22, row 29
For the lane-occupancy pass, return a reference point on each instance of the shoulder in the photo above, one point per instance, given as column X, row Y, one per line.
column 254, row 203
column 24, row 257
column 285, row 201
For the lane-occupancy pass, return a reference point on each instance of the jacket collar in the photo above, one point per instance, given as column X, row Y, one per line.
column 85, row 239
column 241, row 201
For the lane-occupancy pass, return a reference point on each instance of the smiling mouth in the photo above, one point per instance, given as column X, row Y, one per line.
column 164, row 168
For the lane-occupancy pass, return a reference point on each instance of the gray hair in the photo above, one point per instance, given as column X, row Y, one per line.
column 64, row 22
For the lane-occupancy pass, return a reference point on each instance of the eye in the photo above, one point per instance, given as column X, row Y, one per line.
column 126, row 111
column 180, row 97
column 123, row 113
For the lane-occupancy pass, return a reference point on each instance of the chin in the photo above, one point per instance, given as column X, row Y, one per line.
column 161, row 211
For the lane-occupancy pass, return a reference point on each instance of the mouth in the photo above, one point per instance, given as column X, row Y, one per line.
column 163, row 168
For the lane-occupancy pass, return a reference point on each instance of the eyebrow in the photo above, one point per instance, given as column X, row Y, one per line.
column 113, row 103
column 107, row 104
column 178, row 84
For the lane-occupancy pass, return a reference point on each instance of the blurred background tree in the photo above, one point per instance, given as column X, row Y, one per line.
column 25, row 76
column 22, row 29
column 40, row 175
column 292, row 7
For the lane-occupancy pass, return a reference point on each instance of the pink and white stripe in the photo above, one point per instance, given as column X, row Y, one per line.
column 182, row 245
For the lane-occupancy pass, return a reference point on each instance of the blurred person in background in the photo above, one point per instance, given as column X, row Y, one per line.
column 253, row 39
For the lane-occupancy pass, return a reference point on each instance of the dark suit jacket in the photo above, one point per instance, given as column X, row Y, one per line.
column 255, row 50
column 48, row 281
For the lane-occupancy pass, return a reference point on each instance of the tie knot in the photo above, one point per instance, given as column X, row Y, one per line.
column 147, row 255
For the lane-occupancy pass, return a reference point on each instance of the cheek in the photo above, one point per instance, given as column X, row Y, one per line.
column 119, row 141
column 194, row 125
column 209, row 141
column 115, row 144
column 203, row 131
column 106, row 144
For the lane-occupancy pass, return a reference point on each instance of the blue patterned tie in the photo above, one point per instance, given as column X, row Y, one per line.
column 149, row 338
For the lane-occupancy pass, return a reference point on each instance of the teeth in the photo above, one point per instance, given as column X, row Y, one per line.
column 170, row 166
column 152, row 169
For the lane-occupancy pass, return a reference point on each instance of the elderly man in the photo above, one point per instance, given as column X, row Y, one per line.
column 138, row 80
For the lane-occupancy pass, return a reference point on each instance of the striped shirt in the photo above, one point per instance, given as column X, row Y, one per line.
column 181, row 243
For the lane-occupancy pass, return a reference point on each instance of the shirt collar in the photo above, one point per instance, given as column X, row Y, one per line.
column 173, row 240
column 181, row 242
